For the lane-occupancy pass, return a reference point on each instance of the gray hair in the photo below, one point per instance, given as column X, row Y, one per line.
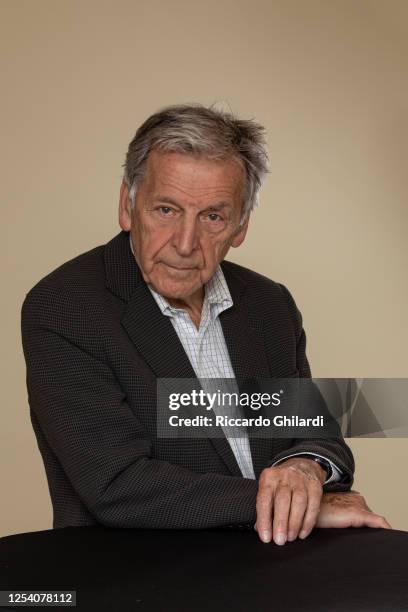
column 197, row 130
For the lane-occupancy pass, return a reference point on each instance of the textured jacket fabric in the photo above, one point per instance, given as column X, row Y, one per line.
column 95, row 342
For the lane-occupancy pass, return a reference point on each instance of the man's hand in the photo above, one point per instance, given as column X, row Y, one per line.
column 291, row 493
column 348, row 510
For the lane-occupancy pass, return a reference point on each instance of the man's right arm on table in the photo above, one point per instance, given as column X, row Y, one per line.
column 103, row 448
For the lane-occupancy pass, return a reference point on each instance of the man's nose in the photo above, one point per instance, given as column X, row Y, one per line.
column 186, row 236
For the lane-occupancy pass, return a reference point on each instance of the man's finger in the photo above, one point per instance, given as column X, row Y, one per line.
column 281, row 509
column 315, row 493
column 264, row 507
column 369, row 519
column 298, row 508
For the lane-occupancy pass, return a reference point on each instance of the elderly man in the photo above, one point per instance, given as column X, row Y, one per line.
column 159, row 300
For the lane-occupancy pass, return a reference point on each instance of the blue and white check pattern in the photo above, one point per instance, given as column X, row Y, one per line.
column 209, row 357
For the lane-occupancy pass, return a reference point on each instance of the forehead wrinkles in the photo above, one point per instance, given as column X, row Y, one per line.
column 196, row 191
column 195, row 185
column 199, row 175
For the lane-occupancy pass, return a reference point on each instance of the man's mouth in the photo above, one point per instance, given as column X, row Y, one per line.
column 180, row 267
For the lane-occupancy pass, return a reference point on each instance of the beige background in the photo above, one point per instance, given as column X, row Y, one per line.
column 329, row 81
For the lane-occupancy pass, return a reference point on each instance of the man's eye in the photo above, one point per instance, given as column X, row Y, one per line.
column 165, row 210
column 214, row 217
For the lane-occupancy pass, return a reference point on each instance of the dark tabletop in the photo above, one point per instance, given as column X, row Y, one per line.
column 128, row 569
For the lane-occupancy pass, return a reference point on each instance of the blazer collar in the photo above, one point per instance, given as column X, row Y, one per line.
column 122, row 273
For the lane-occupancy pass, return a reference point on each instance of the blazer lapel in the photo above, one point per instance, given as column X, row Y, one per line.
column 243, row 333
column 155, row 337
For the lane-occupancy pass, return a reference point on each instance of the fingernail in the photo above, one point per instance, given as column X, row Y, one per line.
column 291, row 536
column 302, row 535
column 280, row 538
column 266, row 536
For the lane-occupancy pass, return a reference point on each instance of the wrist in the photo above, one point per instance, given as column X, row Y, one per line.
column 309, row 466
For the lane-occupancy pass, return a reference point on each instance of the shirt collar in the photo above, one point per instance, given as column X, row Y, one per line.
column 217, row 295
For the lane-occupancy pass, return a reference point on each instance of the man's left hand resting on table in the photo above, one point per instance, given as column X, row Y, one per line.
column 290, row 502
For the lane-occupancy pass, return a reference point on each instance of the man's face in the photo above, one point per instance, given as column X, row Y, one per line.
column 185, row 218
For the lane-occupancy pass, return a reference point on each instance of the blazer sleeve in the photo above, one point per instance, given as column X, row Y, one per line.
column 106, row 452
column 334, row 449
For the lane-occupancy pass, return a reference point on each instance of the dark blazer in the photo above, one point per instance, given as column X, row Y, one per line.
column 94, row 342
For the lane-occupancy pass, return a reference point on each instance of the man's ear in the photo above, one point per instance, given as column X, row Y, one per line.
column 125, row 208
column 241, row 233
